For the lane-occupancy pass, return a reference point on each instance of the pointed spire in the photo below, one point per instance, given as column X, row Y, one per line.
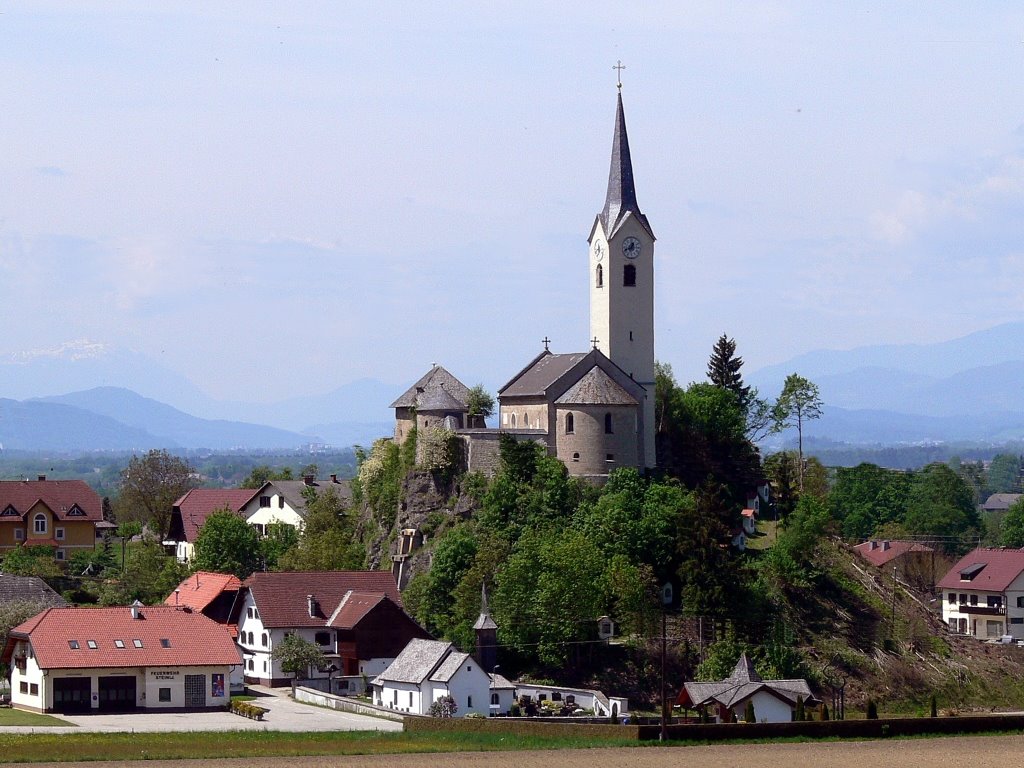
column 484, row 620
column 621, row 197
column 744, row 671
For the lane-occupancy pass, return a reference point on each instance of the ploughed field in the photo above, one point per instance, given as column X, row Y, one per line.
column 949, row 752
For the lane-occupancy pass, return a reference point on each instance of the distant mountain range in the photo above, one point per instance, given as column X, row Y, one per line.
column 965, row 389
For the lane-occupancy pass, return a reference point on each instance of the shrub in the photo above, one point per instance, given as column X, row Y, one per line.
column 872, row 710
column 748, row 712
column 443, row 707
column 823, row 714
column 514, row 711
column 934, row 707
column 800, row 715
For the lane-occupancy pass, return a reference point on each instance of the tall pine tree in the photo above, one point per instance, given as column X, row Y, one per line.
column 724, row 369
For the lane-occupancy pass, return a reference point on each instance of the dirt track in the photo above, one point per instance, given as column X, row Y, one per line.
column 951, row 752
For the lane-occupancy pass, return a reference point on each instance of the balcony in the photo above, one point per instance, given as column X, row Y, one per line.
column 982, row 610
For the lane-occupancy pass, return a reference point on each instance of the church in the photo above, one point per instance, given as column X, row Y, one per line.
column 593, row 410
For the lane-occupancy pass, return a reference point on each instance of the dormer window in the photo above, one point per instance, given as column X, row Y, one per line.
column 39, row 523
column 75, row 511
column 968, row 573
column 9, row 511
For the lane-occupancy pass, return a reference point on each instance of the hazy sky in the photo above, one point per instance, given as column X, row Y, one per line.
column 276, row 198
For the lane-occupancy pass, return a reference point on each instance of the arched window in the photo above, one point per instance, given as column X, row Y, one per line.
column 526, row 421
column 570, row 425
column 599, row 278
column 629, row 275
column 575, row 457
column 513, row 421
column 607, row 423
column 494, row 699
column 39, row 523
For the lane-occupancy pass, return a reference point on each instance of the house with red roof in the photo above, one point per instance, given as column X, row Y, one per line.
column 355, row 618
column 63, row 514
column 119, row 659
column 191, row 511
column 983, row 594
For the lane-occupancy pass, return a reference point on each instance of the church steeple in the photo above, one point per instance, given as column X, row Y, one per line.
column 621, row 197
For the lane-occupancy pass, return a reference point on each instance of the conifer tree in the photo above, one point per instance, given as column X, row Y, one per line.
column 724, row 369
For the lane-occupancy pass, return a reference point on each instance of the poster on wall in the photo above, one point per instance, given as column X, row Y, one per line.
column 218, row 686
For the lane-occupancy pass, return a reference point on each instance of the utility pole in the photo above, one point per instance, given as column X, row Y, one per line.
column 666, row 601
column 892, row 622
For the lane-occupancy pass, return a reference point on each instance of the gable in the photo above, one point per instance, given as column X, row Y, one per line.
column 10, row 511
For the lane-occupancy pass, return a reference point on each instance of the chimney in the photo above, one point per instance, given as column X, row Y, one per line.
column 308, row 479
column 886, row 545
column 334, row 478
column 136, row 609
column 311, row 604
column 41, row 478
column 197, row 579
column 872, row 545
column 176, row 593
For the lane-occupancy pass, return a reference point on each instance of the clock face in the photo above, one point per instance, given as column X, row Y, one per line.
column 598, row 250
column 630, row 247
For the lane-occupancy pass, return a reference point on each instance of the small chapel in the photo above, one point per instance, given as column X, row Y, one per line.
column 593, row 410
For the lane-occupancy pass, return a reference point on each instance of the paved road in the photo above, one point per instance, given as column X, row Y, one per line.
column 285, row 715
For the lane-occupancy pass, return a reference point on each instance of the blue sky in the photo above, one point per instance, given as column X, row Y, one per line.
column 353, row 190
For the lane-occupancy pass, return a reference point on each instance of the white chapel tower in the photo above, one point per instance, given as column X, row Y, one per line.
column 622, row 279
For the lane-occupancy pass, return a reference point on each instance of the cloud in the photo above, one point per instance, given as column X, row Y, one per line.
column 51, row 170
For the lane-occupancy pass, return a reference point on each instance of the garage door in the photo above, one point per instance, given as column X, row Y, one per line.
column 71, row 694
column 117, row 693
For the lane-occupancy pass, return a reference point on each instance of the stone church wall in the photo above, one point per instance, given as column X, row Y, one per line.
column 586, row 449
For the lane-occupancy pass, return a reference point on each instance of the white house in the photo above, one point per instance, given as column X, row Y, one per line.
column 425, row 671
column 190, row 512
column 284, row 501
column 726, row 700
column 121, row 658
column 983, row 594
column 354, row 617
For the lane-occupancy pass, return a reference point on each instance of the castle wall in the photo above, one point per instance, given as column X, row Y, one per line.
column 529, row 414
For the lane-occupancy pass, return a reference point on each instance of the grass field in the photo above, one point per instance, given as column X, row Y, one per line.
column 10, row 716
column 37, row 747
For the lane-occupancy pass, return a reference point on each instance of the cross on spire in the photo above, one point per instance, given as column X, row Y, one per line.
column 546, row 341
column 594, row 341
column 619, row 66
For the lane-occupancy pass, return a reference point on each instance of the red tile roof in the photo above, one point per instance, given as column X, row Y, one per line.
column 58, row 495
column 194, row 639
column 1002, row 566
column 199, row 503
column 881, row 555
column 281, row 597
column 354, row 607
column 202, row 588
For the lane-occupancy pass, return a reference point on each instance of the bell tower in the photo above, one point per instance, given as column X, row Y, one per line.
column 621, row 275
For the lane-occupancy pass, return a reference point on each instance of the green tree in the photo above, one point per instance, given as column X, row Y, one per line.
column 708, row 574
column 480, row 402
column 149, row 576
column 1012, row 531
column 866, row 497
column 454, row 555
column 724, row 369
column 328, row 541
column 941, row 504
column 748, row 712
column 14, row 612
column 705, row 434
column 548, row 595
column 227, row 544
column 280, row 538
column 150, row 485
column 780, row 468
column 798, row 403
column 297, row 656
column 1004, row 474
column 32, row 560
column 263, row 473
column 443, row 706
